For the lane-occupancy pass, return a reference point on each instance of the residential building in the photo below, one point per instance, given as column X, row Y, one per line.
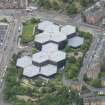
column 95, row 13
column 13, row 4
column 96, row 100
column 94, row 68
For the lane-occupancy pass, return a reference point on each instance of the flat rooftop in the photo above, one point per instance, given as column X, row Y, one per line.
column 48, row 26
column 44, row 24
column 55, row 56
column 47, row 70
column 75, row 41
column 40, row 57
column 31, row 71
column 68, row 30
column 24, row 62
column 58, row 37
column 58, row 56
column 49, row 47
column 42, row 37
column 52, row 28
column 45, row 37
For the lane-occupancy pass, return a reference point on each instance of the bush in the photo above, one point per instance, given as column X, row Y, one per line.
column 63, row 97
column 4, row 20
column 73, row 65
column 55, row 5
column 71, row 9
column 95, row 83
column 34, row 21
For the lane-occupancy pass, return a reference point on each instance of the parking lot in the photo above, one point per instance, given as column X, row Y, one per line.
column 3, row 31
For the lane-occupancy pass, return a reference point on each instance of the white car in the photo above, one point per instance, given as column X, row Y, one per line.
column 19, row 29
column 103, row 33
column 31, row 8
column 1, row 82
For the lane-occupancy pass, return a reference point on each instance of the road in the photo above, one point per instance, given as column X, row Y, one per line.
column 88, row 58
column 10, row 47
column 10, row 44
column 54, row 17
column 96, row 50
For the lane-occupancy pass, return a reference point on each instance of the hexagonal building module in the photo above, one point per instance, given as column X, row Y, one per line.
column 40, row 58
column 24, row 62
column 50, row 47
column 31, row 71
column 58, row 58
column 69, row 31
column 54, row 57
column 75, row 42
column 52, row 28
column 48, row 70
column 43, row 38
column 60, row 39
column 43, row 25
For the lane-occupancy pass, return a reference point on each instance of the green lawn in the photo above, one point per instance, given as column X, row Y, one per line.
column 27, row 34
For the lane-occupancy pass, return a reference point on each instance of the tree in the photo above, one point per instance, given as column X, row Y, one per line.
column 71, row 9
column 62, row 97
column 55, row 5
column 33, row 20
column 72, row 59
column 46, row 4
column 86, row 3
column 95, row 83
column 4, row 20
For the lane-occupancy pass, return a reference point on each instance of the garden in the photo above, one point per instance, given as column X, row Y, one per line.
column 19, row 90
column 29, row 30
column 75, row 56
